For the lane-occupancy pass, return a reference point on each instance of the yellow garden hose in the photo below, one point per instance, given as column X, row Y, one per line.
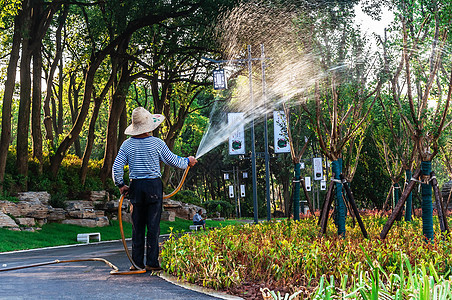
column 179, row 186
column 115, row 270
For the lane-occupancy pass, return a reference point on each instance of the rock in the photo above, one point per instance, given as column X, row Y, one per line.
column 82, row 214
column 26, row 221
column 99, row 196
column 56, row 214
column 41, row 221
column 168, row 216
column 182, row 210
column 112, row 205
column 26, row 208
column 29, row 229
column 126, row 217
column 102, row 222
column 221, row 219
column 99, row 213
column 79, row 205
column 81, row 222
column 42, row 197
column 7, row 221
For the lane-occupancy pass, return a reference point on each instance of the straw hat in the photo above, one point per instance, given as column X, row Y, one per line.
column 143, row 121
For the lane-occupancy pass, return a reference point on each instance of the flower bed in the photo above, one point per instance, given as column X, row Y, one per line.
column 288, row 256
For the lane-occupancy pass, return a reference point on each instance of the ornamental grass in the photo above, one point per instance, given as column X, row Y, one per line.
column 291, row 254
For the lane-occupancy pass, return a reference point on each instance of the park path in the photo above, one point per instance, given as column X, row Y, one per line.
column 85, row 280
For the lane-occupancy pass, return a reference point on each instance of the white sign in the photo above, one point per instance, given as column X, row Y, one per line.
column 226, row 176
column 318, row 168
column 307, row 183
column 245, row 174
column 242, row 190
column 323, row 185
column 237, row 137
column 281, row 138
column 219, row 80
column 231, row 191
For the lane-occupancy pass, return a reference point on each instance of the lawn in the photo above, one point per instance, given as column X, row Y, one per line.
column 54, row 234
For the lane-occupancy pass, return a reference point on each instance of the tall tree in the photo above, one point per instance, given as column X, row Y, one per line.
column 138, row 16
column 9, row 90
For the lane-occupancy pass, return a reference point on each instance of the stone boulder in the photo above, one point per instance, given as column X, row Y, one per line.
column 168, row 216
column 81, row 222
column 102, row 222
column 42, row 197
column 99, row 197
column 98, row 222
column 56, row 214
column 79, row 205
column 26, row 208
column 26, row 221
column 182, row 210
column 7, row 221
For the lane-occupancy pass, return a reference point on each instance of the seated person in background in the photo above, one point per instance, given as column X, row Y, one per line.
column 198, row 220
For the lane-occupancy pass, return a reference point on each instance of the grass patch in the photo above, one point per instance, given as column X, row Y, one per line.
column 54, row 234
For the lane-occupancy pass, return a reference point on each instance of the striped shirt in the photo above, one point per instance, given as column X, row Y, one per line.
column 143, row 155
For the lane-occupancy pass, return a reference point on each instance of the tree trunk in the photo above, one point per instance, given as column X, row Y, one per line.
column 90, row 140
column 118, row 104
column 5, row 138
column 23, row 121
column 409, row 199
column 60, row 97
column 49, row 117
column 296, row 194
column 73, row 94
column 36, row 105
column 57, row 158
column 427, row 207
column 340, row 206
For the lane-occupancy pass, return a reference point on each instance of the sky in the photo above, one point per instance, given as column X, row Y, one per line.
column 371, row 26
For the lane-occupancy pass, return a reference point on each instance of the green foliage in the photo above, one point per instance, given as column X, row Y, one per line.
column 58, row 200
column 187, row 196
column 223, row 207
column 66, row 185
column 289, row 253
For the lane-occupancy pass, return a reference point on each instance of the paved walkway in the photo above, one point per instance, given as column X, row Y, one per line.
column 84, row 280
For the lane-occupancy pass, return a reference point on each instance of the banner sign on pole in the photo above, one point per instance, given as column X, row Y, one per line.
column 237, row 138
column 280, row 132
column 318, row 168
column 231, row 191
column 307, row 183
column 242, row 190
column 219, row 80
column 323, row 185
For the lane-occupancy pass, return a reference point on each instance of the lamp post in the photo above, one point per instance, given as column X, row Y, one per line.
column 253, row 146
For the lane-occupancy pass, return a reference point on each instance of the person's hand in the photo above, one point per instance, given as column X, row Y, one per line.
column 124, row 189
column 192, row 161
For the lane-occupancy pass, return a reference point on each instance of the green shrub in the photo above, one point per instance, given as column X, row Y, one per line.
column 58, row 200
column 187, row 196
column 226, row 209
column 290, row 253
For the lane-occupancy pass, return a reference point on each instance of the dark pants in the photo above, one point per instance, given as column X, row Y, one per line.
column 146, row 196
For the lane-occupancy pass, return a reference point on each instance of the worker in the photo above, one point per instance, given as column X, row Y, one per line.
column 143, row 153
column 198, row 220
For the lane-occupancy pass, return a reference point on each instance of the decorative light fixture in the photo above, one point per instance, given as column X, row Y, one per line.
column 219, row 80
